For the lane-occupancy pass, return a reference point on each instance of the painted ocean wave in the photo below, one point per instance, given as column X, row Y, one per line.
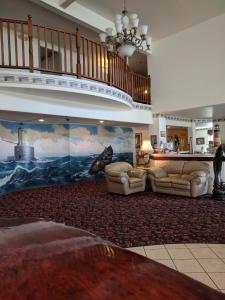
column 18, row 175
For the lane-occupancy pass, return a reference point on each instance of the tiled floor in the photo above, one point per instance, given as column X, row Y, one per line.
column 203, row 262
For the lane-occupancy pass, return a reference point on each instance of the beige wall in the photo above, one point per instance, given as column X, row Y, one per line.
column 188, row 68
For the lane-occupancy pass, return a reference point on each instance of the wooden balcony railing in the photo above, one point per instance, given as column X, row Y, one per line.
column 24, row 45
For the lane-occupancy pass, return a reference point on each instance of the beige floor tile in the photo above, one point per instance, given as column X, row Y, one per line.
column 188, row 265
column 138, row 250
column 203, row 278
column 175, row 246
column 153, row 247
column 212, row 264
column 157, row 254
column 220, row 251
column 167, row 262
column 180, row 254
column 193, row 246
column 219, row 279
column 203, row 253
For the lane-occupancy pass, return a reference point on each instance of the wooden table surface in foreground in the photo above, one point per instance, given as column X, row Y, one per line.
column 45, row 260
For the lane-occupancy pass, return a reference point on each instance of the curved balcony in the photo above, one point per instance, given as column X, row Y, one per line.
column 24, row 45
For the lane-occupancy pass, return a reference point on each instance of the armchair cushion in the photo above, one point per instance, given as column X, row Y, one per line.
column 135, row 182
column 137, row 173
column 157, row 172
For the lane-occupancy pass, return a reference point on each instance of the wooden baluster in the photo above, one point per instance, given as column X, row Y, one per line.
column 78, row 54
column 53, row 52
column 65, row 58
column 109, row 69
column 39, row 47
column 30, row 37
column 1, row 41
column 83, row 48
column 126, row 84
column 104, row 52
column 96, row 59
column 46, row 48
column 88, row 58
column 132, row 85
column 59, row 52
column 71, row 54
column 149, row 89
column 101, row 62
column 92, row 60
column 15, row 41
column 22, row 41
column 9, row 42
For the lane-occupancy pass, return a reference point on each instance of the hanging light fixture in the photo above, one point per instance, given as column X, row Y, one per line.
column 129, row 37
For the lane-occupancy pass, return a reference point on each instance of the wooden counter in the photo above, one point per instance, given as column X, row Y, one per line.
column 185, row 157
column 46, row 260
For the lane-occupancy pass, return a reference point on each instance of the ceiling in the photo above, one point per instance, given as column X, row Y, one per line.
column 207, row 112
column 165, row 17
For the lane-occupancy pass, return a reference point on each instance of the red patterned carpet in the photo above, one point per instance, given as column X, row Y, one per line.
column 139, row 219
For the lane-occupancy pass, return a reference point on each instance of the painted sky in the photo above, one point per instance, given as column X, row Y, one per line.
column 55, row 140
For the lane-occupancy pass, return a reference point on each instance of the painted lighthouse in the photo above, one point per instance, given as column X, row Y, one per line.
column 22, row 151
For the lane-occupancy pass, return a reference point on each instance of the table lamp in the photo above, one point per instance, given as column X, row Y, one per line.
column 146, row 147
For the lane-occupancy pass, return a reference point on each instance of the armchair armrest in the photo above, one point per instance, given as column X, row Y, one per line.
column 157, row 172
column 137, row 173
column 196, row 174
column 117, row 176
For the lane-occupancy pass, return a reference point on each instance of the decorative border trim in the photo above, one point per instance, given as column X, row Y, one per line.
column 64, row 83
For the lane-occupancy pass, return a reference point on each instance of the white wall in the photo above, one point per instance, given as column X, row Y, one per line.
column 188, row 68
column 222, row 130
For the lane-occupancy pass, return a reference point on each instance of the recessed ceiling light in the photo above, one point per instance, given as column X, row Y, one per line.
column 101, row 121
column 41, row 120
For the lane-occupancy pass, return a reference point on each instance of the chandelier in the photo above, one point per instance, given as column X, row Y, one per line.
column 129, row 37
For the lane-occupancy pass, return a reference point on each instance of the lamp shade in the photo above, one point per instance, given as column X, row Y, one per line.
column 102, row 37
column 143, row 29
column 146, row 146
column 119, row 27
column 126, row 50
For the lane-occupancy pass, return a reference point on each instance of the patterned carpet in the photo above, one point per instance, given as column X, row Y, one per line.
column 140, row 219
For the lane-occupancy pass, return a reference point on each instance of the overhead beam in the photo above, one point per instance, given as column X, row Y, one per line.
column 75, row 11
column 65, row 3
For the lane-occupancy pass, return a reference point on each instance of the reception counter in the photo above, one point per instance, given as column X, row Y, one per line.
column 184, row 157
column 158, row 160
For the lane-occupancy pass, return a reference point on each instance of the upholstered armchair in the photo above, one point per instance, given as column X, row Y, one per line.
column 122, row 178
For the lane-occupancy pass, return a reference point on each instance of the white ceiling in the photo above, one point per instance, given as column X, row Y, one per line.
column 165, row 17
column 207, row 112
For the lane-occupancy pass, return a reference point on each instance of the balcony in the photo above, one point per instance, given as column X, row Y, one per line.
column 38, row 48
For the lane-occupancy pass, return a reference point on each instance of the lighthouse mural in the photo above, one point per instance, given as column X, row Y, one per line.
column 22, row 151
column 33, row 155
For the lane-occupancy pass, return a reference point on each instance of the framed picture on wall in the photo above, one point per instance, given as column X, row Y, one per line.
column 138, row 140
column 153, row 139
column 200, row 141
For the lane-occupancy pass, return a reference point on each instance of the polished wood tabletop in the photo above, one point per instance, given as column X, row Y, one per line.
column 42, row 260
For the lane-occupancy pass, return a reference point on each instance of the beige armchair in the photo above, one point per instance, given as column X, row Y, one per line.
column 122, row 178
column 189, row 178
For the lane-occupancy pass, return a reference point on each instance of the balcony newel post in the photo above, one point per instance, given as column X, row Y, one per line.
column 149, row 89
column 78, row 53
column 30, row 37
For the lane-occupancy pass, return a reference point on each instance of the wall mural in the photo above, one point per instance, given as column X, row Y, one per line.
column 50, row 154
